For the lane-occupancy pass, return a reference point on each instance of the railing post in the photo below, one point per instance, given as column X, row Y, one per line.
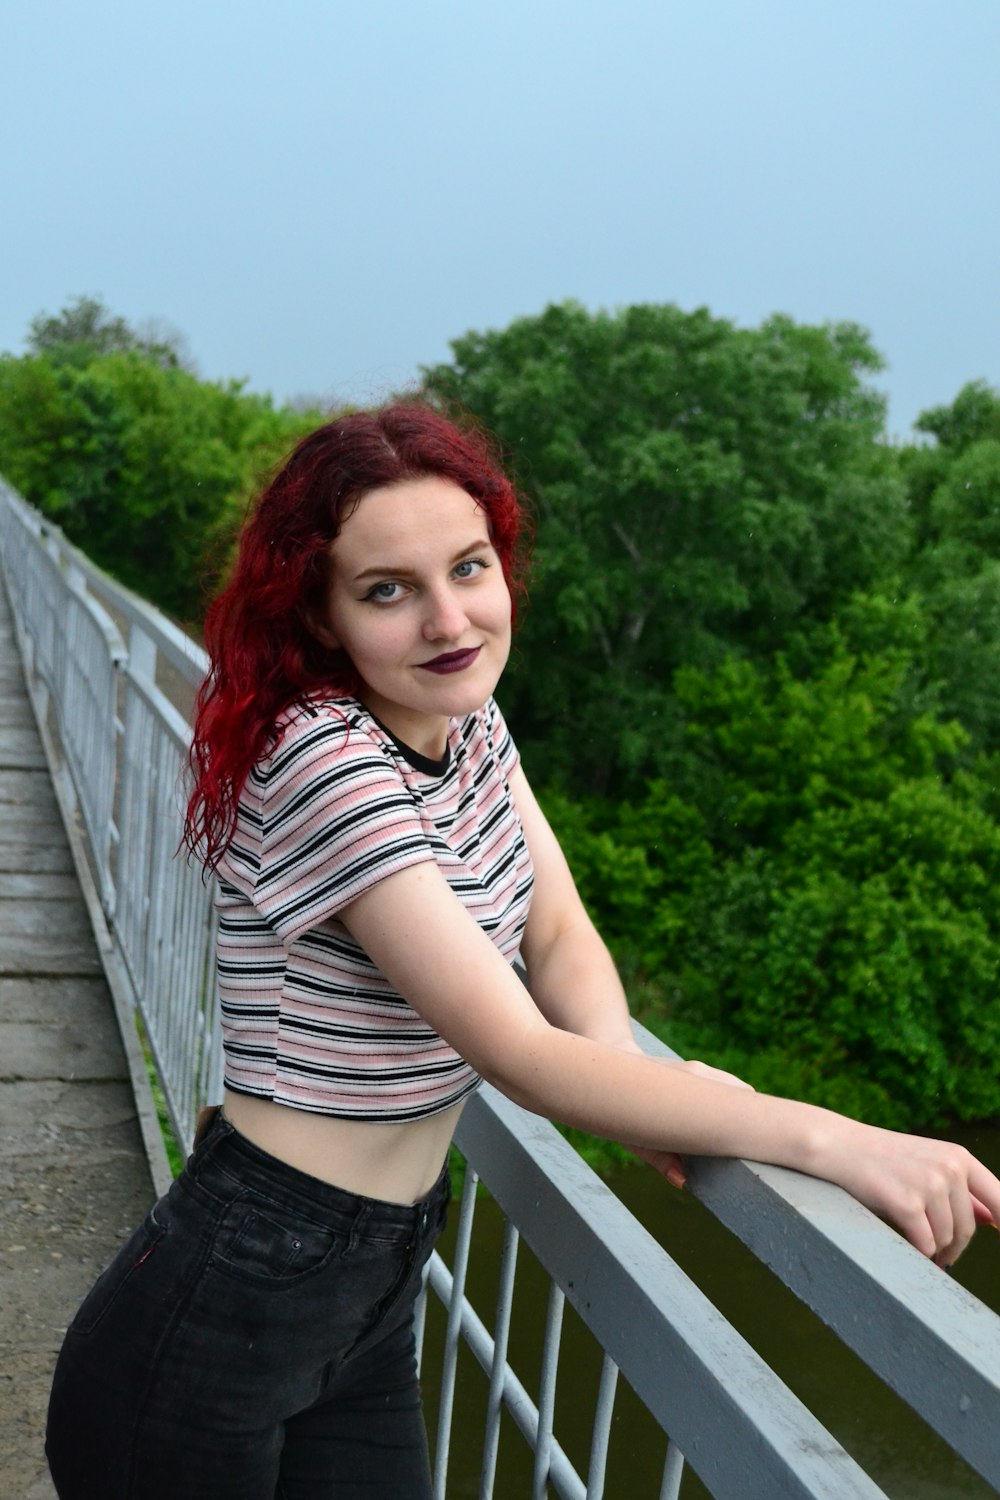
column 547, row 1391
column 673, row 1473
column 141, row 653
column 498, row 1368
column 131, row 885
column 453, row 1334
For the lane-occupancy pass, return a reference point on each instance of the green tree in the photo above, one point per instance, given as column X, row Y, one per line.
column 807, row 899
column 85, row 328
column 973, row 415
column 699, row 489
column 144, row 466
column 954, row 493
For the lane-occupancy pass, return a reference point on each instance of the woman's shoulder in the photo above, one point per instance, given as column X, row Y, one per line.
column 490, row 727
column 316, row 709
column 319, row 726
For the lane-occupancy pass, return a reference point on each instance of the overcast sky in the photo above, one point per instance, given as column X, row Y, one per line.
column 320, row 195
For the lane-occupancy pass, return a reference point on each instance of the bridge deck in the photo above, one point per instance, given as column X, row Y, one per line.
column 74, row 1178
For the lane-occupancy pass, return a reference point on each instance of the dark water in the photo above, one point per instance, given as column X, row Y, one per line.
column 907, row 1460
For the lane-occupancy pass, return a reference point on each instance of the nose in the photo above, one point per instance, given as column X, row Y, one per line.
column 445, row 619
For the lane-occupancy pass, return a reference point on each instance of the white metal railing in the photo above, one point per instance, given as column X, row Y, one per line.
column 95, row 655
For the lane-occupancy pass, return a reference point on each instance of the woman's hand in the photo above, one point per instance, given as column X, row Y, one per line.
column 706, row 1070
column 934, row 1191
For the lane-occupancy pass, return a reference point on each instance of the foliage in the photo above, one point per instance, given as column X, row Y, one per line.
column 954, row 491
column 812, row 891
column 85, row 328
column 143, row 465
column 973, row 415
column 699, row 488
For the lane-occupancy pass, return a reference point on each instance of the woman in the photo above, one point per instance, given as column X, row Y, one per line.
column 381, row 859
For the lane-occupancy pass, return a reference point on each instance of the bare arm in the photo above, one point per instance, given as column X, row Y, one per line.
column 433, row 952
column 571, row 974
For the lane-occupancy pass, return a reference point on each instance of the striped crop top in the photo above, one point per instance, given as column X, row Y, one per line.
column 338, row 805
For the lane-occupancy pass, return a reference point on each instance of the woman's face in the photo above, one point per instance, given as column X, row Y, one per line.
column 418, row 600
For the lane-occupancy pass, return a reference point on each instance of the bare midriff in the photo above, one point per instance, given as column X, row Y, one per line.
column 397, row 1163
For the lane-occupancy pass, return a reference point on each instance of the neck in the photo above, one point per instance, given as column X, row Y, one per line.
column 425, row 734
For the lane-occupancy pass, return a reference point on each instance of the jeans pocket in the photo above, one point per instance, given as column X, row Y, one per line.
column 127, row 1263
column 260, row 1242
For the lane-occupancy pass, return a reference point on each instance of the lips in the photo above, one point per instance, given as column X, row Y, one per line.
column 451, row 661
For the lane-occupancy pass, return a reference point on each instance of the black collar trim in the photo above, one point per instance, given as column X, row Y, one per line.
column 413, row 757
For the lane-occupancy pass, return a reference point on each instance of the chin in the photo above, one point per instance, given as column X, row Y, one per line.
column 457, row 704
column 465, row 700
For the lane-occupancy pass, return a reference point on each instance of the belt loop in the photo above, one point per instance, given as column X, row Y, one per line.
column 357, row 1227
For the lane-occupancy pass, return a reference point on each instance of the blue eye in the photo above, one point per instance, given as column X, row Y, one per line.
column 383, row 593
column 469, row 567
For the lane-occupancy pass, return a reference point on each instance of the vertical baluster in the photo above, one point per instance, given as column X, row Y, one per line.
column 602, row 1429
column 158, row 914
column 547, row 1392
column 216, row 1058
column 498, row 1369
column 453, row 1333
column 673, row 1470
column 133, row 883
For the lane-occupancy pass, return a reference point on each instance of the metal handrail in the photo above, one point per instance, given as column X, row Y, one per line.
column 95, row 655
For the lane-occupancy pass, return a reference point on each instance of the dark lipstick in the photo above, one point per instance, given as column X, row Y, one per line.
column 451, row 661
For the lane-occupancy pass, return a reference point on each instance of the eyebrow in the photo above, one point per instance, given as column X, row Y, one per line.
column 390, row 570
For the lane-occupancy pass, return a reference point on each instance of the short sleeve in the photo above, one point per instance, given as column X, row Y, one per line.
column 336, row 818
column 500, row 738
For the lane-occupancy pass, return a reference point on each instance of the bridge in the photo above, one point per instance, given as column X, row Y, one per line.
column 105, row 674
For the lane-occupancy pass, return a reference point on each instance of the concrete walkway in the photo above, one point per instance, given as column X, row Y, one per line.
column 74, row 1178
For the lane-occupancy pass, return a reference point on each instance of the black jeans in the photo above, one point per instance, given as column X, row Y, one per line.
column 252, row 1341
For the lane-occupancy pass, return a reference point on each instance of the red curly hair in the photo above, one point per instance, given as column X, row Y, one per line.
column 263, row 656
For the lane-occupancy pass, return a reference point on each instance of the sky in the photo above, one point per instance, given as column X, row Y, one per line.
column 320, row 195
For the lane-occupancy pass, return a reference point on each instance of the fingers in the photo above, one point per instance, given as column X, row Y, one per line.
column 983, row 1215
column 952, row 1223
column 934, row 1191
column 939, row 1216
column 717, row 1075
column 667, row 1163
column 985, row 1190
